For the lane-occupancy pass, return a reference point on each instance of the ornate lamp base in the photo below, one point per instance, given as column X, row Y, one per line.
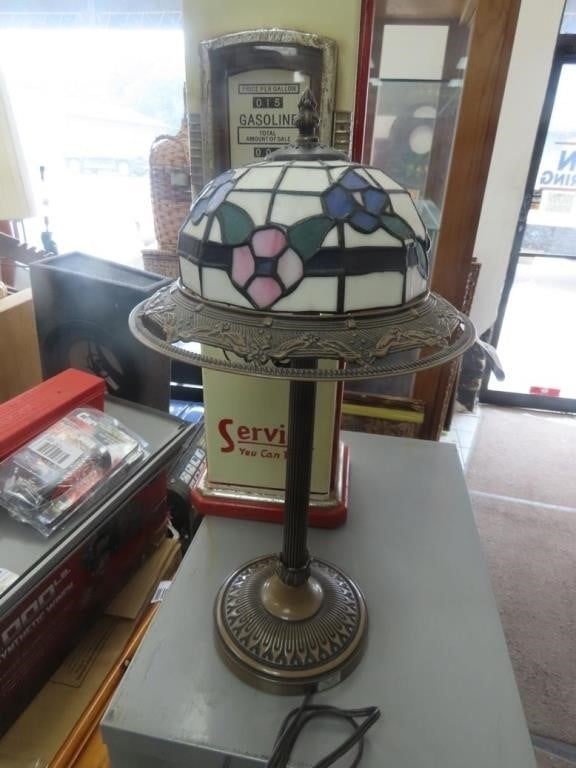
column 286, row 639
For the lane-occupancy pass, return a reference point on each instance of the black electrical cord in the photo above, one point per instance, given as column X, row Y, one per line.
column 298, row 718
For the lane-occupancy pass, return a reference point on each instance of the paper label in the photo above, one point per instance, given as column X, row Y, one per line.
column 55, row 451
column 161, row 591
column 6, row 579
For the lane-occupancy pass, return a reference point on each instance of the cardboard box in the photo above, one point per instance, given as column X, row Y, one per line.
column 20, row 366
column 44, row 729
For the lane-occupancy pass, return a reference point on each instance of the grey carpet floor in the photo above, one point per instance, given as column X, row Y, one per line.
column 546, row 760
column 531, row 553
column 528, row 455
column 522, row 481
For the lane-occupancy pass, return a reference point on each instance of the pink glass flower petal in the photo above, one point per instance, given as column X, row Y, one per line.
column 242, row 265
column 264, row 291
column 268, row 242
column 290, row 268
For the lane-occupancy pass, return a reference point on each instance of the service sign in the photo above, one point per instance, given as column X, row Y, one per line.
column 246, row 427
column 262, row 111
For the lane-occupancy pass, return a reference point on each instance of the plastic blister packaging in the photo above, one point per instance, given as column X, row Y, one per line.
column 68, row 467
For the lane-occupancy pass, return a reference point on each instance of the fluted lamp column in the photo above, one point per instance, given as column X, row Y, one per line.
column 294, row 559
column 289, row 623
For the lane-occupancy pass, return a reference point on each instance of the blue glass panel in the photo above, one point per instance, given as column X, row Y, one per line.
column 365, row 222
column 219, row 196
column 375, row 200
column 338, row 202
column 265, row 266
column 219, row 180
column 199, row 209
column 351, row 180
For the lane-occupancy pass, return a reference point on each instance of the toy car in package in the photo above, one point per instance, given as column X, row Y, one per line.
column 67, row 467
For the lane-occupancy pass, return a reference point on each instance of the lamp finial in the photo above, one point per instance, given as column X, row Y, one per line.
column 307, row 120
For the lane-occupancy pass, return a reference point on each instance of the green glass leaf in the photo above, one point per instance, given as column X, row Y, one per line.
column 398, row 227
column 235, row 224
column 307, row 236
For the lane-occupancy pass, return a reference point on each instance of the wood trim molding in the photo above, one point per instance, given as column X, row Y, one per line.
column 363, row 74
column 489, row 57
column 468, row 11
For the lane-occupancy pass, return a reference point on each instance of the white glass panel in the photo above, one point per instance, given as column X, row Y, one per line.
column 331, row 239
column 404, row 207
column 378, row 289
column 374, row 174
column 195, row 230
column 254, row 203
column 310, row 179
column 216, row 285
column 314, row 294
column 190, row 275
column 288, row 209
column 300, row 164
column 215, row 234
column 338, row 171
column 415, row 283
column 259, row 178
column 378, row 239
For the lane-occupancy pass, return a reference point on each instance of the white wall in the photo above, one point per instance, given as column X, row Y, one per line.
column 536, row 33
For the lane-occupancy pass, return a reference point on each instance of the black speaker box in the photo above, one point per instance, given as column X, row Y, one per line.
column 82, row 306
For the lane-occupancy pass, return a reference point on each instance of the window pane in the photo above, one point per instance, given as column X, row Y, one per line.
column 89, row 103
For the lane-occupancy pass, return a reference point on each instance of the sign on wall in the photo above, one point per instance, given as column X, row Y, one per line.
column 251, row 84
column 262, row 112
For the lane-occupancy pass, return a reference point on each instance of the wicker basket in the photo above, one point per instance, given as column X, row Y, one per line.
column 170, row 186
column 161, row 262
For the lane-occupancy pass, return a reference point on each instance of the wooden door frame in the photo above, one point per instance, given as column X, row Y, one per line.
column 493, row 26
column 492, row 38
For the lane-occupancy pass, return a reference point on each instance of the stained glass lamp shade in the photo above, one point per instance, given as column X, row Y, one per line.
column 297, row 236
column 284, row 263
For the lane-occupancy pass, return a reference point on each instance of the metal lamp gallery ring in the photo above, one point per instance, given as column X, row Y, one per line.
column 257, row 343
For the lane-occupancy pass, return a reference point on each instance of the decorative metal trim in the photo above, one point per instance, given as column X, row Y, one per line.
column 342, row 133
column 195, row 144
column 285, row 654
column 261, row 343
column 273, row 36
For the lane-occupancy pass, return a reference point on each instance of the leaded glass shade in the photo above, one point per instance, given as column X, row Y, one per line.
column 303, row 257
column 301, row 236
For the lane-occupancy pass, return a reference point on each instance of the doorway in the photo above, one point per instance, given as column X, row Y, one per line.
column 534, row 331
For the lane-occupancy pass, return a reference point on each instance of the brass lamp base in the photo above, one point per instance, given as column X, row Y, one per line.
column 286, row 639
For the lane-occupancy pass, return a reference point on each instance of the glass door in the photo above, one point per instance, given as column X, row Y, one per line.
column 536, row 324
column 417, row 68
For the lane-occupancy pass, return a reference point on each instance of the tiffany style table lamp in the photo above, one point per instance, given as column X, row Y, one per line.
column 284, row 263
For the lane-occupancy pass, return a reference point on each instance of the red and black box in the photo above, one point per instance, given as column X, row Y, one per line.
column 64, row 580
